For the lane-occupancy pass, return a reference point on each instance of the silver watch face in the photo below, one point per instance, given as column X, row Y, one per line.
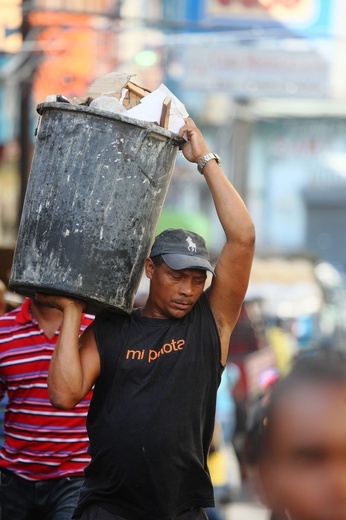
column 208, row 157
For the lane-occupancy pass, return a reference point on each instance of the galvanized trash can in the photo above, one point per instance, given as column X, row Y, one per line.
column 96, row 189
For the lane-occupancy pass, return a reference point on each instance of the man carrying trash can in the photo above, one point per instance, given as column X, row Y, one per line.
column 157, row 370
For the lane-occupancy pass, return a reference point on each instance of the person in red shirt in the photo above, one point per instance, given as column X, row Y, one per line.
column 45, row 449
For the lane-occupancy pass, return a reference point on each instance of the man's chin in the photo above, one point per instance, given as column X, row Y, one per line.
column 180, row 311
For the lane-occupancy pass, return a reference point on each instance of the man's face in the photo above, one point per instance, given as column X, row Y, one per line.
column 174, row 293
column 305, row 471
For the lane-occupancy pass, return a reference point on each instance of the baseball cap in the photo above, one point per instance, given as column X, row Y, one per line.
column 182, row 249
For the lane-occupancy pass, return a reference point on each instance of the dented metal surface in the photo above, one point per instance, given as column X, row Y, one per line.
column 96, row 189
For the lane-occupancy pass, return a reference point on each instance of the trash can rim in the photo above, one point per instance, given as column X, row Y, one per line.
column 152, row 127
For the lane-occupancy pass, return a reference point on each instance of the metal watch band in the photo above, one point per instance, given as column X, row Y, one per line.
column 206, row 158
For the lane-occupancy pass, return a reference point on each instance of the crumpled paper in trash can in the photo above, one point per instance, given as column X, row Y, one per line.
column 115, row 92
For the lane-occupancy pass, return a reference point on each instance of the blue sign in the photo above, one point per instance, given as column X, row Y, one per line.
column 309, row 18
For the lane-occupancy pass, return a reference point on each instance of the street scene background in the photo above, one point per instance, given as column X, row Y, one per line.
column 264, row 80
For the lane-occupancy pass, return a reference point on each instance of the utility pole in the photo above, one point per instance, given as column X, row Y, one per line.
column 25, row 89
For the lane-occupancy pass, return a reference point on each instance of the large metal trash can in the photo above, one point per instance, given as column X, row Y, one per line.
column 96, row 189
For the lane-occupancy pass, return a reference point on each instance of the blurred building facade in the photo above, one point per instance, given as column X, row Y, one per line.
column 46, row 47
column 263, row 78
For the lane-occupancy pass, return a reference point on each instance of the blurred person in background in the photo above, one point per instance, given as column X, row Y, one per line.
column 8, row 301
column 225, row 403
column 3, row 303
column 303, row 454
column 283, row 343
column 218, row 468
column 45, row 450
column 222, row 460
column 255, row 427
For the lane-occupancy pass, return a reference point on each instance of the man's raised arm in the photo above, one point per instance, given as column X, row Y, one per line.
column 232, row 270
column 75, row 364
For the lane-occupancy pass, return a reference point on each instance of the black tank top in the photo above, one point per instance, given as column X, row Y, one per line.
column 151, row 417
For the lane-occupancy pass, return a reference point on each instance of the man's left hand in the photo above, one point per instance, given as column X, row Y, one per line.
column 195, row 147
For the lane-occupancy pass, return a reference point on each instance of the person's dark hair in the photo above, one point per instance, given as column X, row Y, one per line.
column 327, row 367
column 157, row 260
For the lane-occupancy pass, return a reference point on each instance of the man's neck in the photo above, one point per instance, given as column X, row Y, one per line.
column 48, row 319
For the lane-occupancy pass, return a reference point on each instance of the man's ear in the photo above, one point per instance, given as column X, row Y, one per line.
column 149, row 267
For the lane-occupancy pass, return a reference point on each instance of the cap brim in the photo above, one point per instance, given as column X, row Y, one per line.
column 179, row 262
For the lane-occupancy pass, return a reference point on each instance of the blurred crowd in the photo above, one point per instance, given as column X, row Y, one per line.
column 270, row 368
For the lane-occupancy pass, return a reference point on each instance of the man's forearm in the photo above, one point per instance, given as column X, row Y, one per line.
column 65, row 379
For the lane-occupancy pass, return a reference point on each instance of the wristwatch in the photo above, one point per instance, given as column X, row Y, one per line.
column 206, row 158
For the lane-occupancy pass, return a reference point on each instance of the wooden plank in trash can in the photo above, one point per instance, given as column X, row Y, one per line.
column 166, row 107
